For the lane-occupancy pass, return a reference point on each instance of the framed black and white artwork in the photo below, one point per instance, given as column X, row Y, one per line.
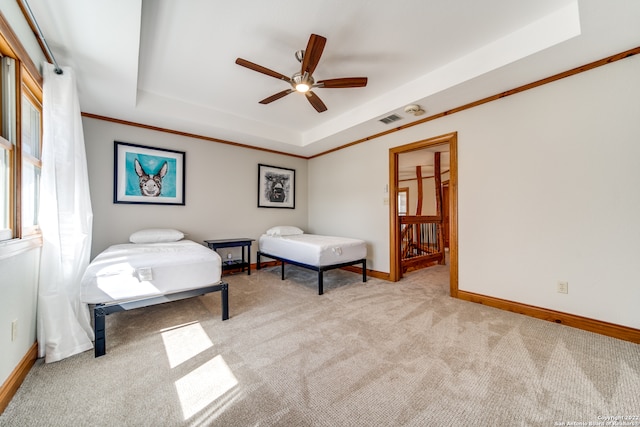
column 276, row 187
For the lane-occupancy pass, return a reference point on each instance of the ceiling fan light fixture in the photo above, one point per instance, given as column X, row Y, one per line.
column 301, row 87
column 302, row 82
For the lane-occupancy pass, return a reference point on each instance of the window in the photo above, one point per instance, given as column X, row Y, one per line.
column 20, row 144
column 5, row 189
column 7, row 144
column 30, row 140
column 403, row 201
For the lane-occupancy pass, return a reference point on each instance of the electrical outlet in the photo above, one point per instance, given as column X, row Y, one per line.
column 14, row 330
column 563, row 287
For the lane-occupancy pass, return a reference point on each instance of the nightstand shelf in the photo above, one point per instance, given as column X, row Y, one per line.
column 230, row 243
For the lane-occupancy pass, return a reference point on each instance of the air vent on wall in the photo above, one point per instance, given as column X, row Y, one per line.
column 390, row 119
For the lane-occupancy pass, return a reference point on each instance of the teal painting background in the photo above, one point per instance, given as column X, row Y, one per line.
column 151, row 165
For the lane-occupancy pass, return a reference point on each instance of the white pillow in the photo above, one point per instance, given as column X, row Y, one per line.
column 284, row 230
column 156, row 235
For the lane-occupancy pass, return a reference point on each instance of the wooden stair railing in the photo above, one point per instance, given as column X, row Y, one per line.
column 421, row 236
column 421, row 241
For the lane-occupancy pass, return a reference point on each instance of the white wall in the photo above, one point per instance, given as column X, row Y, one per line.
column 221, row 189
column 18, row 302
column 548, row 191
column 347, row 198
column 428, row 196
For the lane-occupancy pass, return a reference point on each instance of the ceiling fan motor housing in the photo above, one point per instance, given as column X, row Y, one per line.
column 298, row 78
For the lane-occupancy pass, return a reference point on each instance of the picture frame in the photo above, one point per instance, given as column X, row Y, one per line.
column 276, row 187
column 148, row 175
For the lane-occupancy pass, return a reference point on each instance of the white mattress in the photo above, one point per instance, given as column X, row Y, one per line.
column 133, row 271
column 314, row 249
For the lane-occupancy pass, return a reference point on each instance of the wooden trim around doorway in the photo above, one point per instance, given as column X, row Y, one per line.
column 451, row 139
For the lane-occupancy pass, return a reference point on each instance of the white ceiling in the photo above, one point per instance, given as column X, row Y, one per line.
column 171, row 63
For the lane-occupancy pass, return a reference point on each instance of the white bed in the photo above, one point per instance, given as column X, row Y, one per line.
column 134, row 275
column 316, row 252
column 132, row 271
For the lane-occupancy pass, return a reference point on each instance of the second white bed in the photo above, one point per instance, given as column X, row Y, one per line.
column 314, row 249
column 316, row 252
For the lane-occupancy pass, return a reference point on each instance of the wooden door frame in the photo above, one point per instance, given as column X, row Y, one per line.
column 451, row 139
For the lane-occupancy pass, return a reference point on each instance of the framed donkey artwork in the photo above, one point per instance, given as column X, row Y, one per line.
column 148, row 175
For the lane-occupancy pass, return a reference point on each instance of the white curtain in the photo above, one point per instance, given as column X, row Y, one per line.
column 64, row 326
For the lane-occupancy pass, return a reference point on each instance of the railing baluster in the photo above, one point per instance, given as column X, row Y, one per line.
column 420, row 238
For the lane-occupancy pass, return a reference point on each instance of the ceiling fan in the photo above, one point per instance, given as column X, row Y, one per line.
column 303, row 81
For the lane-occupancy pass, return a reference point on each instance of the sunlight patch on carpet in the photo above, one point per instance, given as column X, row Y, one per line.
column 184, row 342
column 204, row 385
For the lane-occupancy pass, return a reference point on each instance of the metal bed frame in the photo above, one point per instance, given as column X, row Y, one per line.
column 100, row 311
column 320, row 269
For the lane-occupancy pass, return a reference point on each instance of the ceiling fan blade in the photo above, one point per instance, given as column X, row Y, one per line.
column 259, row 68
column 312, row 53
column 276, row 96
column 316, row 102
column 342, row 83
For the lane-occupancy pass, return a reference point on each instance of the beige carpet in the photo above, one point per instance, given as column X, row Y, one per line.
column 374, row 354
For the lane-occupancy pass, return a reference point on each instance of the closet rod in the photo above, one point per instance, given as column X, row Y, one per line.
column 36, row 27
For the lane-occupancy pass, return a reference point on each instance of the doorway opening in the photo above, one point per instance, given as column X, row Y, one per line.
column 406, row 164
